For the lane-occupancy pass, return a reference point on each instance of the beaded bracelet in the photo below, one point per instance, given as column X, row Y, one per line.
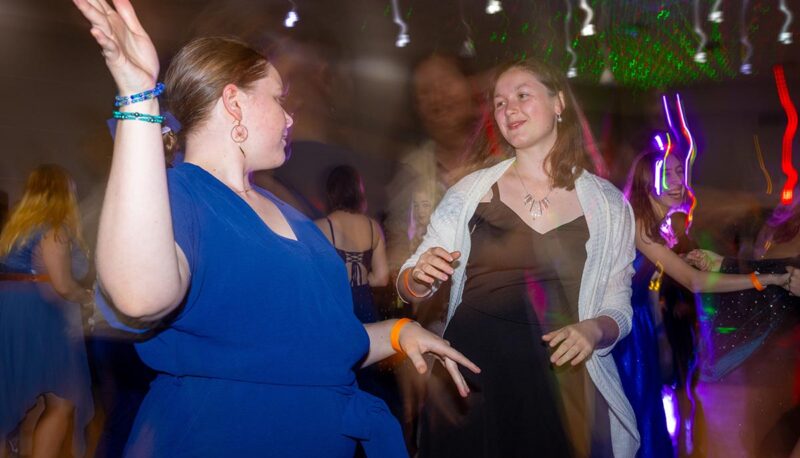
column 395, row 334
column 136, row 116
column 122, row 100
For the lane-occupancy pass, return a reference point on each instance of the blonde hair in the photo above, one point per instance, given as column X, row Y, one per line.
column 49, row 201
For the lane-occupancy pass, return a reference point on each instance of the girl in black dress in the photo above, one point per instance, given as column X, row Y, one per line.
column 524, row 241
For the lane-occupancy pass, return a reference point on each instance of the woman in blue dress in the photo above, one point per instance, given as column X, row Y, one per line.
column 254, row 336
column 637, row 356
column 45, row 388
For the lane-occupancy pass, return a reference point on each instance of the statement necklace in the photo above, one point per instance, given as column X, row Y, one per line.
column 535, row 207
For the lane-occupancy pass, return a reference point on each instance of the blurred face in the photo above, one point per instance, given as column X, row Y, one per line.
column 443, row 97
column 422, row 208
column 267, row 122
column 73, row 188
column 673, row 196
column 525, row 110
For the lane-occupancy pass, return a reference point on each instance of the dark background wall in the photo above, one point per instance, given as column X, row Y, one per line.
column 56, row 93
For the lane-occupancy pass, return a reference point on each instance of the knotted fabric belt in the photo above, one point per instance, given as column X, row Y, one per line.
column 368, row 420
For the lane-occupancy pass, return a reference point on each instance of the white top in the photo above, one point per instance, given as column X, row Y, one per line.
column 605, row 284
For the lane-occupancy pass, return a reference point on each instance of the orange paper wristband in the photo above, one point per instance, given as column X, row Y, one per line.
column 394, row 337
column 756, row 284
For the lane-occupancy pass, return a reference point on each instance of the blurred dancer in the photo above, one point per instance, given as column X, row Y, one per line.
column 444, row 98
column 753, row 337
column 42, row 353
column 638, row 356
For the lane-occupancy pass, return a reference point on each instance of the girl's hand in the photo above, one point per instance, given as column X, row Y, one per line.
column 704, row 260
column 417, row 341
column 434, row 265
column 782, row 280
column 126, row 47
column 575, row 342
column 794, row 281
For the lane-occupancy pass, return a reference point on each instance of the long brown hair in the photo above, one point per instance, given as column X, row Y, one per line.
column 201, row 70
column 568, row 158
column 48, row 202
column 640, row 188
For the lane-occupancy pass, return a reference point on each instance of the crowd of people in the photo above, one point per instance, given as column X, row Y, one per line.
column 531, row 305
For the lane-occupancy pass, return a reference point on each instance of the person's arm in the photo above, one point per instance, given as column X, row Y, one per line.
column 379, row 270
column 57, row 257
column 141, row 267
column 696, row 280
column 415, row 341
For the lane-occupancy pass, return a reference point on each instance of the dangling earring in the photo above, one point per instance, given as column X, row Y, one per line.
column 239, row 135
column 558, row 117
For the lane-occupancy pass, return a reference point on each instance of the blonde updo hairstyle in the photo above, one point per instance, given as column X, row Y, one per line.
column 198, row 74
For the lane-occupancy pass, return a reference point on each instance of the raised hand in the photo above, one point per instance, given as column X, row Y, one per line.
column 128, row 51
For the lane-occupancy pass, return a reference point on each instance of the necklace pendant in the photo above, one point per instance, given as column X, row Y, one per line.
column 528, row 199
column 536, row 209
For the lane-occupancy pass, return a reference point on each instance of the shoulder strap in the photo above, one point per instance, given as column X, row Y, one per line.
column 333, row 237
column 495, row 192
column 371, row 234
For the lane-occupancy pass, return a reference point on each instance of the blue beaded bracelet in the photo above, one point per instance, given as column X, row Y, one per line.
column 135, row 116
column 122, row 100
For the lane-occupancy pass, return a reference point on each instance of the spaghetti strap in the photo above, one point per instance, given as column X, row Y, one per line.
column 495, row 192
column 371, row 234
column 333, row 237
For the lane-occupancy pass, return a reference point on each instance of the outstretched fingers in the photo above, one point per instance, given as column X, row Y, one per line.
column 448, row 352
column 461, row 384
column 128, row 14
column 92, row 12
column 417, row 360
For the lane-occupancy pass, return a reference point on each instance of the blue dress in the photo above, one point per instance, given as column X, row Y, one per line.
column 259, row 358
column 41, row 343
column 638, row 364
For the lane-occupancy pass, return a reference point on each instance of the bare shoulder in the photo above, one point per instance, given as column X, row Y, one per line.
column 58, row 235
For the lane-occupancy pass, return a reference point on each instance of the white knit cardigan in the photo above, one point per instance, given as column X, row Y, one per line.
column 605, row 285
